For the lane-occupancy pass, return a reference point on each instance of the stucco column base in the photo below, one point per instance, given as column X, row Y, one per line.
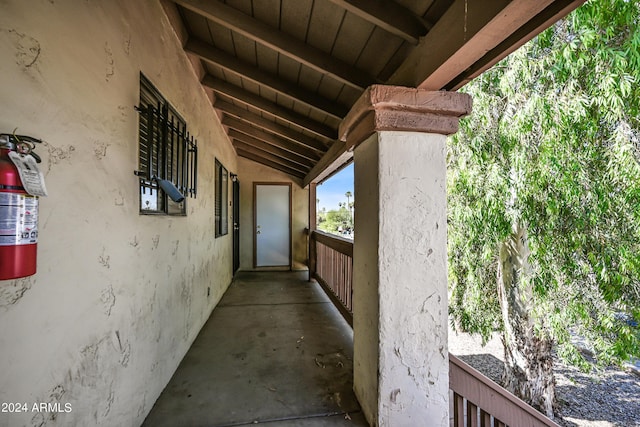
column 401, row 366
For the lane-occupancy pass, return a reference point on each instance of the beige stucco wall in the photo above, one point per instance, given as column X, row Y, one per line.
column 250, row 172
column 118, row 297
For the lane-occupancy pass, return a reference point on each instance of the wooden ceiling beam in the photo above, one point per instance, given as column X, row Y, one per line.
column 463, row 35
column 281, row 42
column 267, row 162
column 276, row 151
column 388, row 15
column 266, row 155
column 213, row 55
column 554, row 12
column 270, row 126
column 245, row 97
column 337, row 156
column 269, row 138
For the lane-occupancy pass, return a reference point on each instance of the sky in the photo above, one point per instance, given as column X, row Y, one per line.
column 332, row 191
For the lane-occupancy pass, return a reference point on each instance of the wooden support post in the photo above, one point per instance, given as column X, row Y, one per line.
column 312, row 227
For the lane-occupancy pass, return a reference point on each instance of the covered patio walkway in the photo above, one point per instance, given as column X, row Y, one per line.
column 275, row 351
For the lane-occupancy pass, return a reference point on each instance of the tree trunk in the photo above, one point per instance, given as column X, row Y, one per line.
column 528, row 360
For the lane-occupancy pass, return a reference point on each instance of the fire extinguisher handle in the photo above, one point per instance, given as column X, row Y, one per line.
column 29, row 138
column 9, row 137
column 35, row 156
column 23, row 144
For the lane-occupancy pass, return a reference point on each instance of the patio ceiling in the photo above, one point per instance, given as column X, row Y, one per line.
column 284, row 73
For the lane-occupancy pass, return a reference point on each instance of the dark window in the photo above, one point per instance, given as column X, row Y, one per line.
column 167, row 152
column 222, row 199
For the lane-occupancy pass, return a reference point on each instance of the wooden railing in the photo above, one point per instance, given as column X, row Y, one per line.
column 332, row 267
column 477, row 400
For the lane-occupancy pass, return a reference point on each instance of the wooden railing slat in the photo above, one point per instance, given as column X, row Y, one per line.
column 472, row 415
column 485, row 419
column 458, row 410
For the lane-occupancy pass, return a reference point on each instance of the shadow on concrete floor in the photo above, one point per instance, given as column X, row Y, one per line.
column 274, row 351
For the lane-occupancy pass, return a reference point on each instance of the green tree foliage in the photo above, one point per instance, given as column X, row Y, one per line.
column 553, row 147
column 335, row 219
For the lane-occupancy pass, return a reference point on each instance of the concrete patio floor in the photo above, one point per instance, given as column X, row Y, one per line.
column 275, row 351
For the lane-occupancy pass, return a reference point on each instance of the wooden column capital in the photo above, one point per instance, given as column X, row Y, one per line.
column 388, row 108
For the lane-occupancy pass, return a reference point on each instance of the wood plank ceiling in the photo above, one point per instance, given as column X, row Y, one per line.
column 283, row 73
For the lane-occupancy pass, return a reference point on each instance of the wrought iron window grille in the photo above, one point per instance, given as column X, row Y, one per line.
column 221, row 199
column 167, row 152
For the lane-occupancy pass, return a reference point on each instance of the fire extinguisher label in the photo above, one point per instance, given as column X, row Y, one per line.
column 30, row 176
column 18, row 219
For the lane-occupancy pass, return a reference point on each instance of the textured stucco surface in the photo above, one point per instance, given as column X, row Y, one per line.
column 118, row 297
column 365, row 277
column 407, row 274
column 250, row 172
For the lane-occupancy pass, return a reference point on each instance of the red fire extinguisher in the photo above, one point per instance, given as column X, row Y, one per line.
column 18, row 212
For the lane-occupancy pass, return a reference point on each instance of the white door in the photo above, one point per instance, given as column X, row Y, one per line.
column 273, row 225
